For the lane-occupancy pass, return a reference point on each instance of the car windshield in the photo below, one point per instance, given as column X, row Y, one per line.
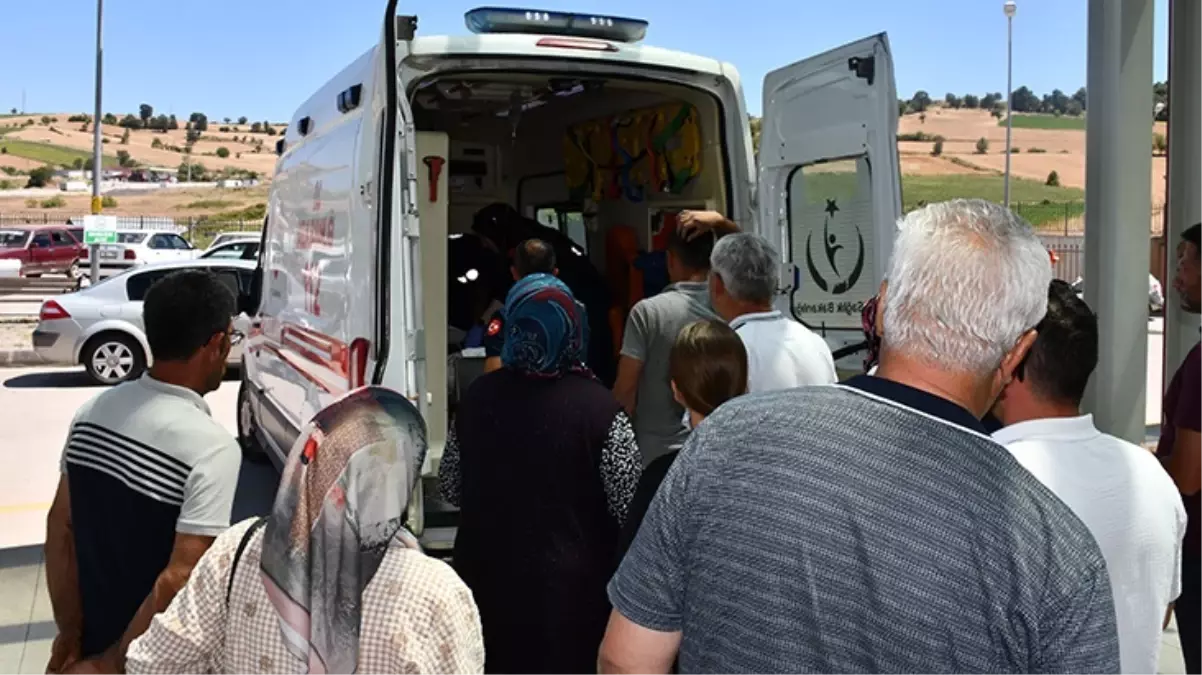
column 13, row 238
column 131, row 237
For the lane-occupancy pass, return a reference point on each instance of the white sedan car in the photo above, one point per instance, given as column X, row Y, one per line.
column 101, row 326
column 139, row 247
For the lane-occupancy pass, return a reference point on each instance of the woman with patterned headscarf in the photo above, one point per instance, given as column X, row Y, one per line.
column 331, row 581
column 542, row 462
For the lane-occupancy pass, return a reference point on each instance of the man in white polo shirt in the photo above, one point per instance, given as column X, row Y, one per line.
column 1118, row 489
column 781, row 353
column 148, row 481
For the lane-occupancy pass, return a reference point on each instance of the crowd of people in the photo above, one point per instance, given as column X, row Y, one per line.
column 725, row 506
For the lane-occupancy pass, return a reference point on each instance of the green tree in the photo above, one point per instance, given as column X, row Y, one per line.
column 108, row 202
column 156, row 144
column 920, row 101
column 982, row 146
column 131, row 122
column 123, row 158
column 1074, row 108
column 146, row 111
column 953, row 101
column 1079, row 97
column 1024, row 100
column 45, row 119
column 1053, row 180
column 757, row 128
column 172, row 123
column 938, row 149
column 125, row 137
column 14, row 111
column 256, row 128
column 242, row 120
column 1159, row 145
column 223, row 152
column 109, row 118
column 39, row 177
column 78, row 163
column 199, row 122
column 972, row 101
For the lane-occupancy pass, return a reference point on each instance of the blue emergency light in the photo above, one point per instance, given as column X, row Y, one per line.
column 542, row 22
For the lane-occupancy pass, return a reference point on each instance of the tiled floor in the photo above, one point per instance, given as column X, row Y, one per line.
column 26, row 620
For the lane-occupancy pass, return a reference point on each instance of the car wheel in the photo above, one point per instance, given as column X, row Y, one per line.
column 73, row 271
column 113, row 358
column 248, row 438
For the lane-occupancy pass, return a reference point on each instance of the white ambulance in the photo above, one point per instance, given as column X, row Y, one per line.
column 571, row 120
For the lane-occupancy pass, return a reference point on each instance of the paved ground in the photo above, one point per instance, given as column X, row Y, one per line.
column 37, row 405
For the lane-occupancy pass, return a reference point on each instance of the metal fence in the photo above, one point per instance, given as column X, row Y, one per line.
column 193, row 229
column 1070, row 251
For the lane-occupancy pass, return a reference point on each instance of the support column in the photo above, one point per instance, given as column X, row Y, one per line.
column 1118, row 203
column 1184, row 167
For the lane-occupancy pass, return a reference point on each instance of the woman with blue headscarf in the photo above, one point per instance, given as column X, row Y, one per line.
column 542, row 463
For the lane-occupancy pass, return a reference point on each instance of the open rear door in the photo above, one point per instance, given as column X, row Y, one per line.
column 399, row 360
column 830, row 183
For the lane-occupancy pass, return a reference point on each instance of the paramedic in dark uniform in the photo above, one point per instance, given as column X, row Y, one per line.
column 505, row 228
column 533, row 256
column 476, row 286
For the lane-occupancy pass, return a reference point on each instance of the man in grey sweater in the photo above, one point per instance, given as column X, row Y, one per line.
column 873, row 526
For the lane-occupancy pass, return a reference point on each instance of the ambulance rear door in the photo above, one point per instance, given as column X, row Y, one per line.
column 830, row 185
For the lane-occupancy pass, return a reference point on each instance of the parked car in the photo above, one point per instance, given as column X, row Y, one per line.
column 1155, row 293
column 226, row 237
column 41, row 249
column 237, row 249
column 140, row 247
column 101, row 326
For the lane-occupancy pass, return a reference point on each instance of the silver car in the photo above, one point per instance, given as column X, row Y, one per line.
column 101, row 326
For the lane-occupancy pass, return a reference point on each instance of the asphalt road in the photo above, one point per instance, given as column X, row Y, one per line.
column 36, row 407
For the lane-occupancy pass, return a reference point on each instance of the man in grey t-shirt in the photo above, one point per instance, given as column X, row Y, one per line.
column 873, row 526
column 642, row 386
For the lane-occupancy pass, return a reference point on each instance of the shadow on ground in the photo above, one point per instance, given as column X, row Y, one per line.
column 51, row 379
column 58, row 378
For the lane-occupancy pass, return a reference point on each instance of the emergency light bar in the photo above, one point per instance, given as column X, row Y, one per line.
column 541, row 22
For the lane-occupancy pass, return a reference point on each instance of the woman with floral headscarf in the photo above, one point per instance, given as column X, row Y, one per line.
column 542, row 463
column 331, row 581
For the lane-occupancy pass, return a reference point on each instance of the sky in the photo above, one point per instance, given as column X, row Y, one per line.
column 263, row 58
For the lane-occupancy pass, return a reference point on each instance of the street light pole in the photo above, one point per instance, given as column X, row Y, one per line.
column 97, row 166
column 1009, row 8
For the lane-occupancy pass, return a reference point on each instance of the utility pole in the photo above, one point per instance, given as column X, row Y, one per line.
column 97, row 141
column 1009, row 8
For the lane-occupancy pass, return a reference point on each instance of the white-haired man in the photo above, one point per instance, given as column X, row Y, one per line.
column 873, row 526
column 781, row 353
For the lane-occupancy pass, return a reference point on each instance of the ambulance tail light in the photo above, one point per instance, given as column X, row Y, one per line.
column 357, row 356
column 542, row 22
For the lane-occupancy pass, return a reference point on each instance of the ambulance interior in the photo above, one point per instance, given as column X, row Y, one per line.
column 608, row 162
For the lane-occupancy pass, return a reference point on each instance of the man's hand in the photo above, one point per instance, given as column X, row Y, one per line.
column 64, row 653
column 692, row 224
column 94, row 667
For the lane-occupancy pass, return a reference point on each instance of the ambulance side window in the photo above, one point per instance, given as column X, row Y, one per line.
column 567, row 220
column 831, row 240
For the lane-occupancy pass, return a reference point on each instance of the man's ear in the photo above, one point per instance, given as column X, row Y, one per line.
column 676, row 393
column 717, row 286
column 1016, row 355
column 879, row 321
